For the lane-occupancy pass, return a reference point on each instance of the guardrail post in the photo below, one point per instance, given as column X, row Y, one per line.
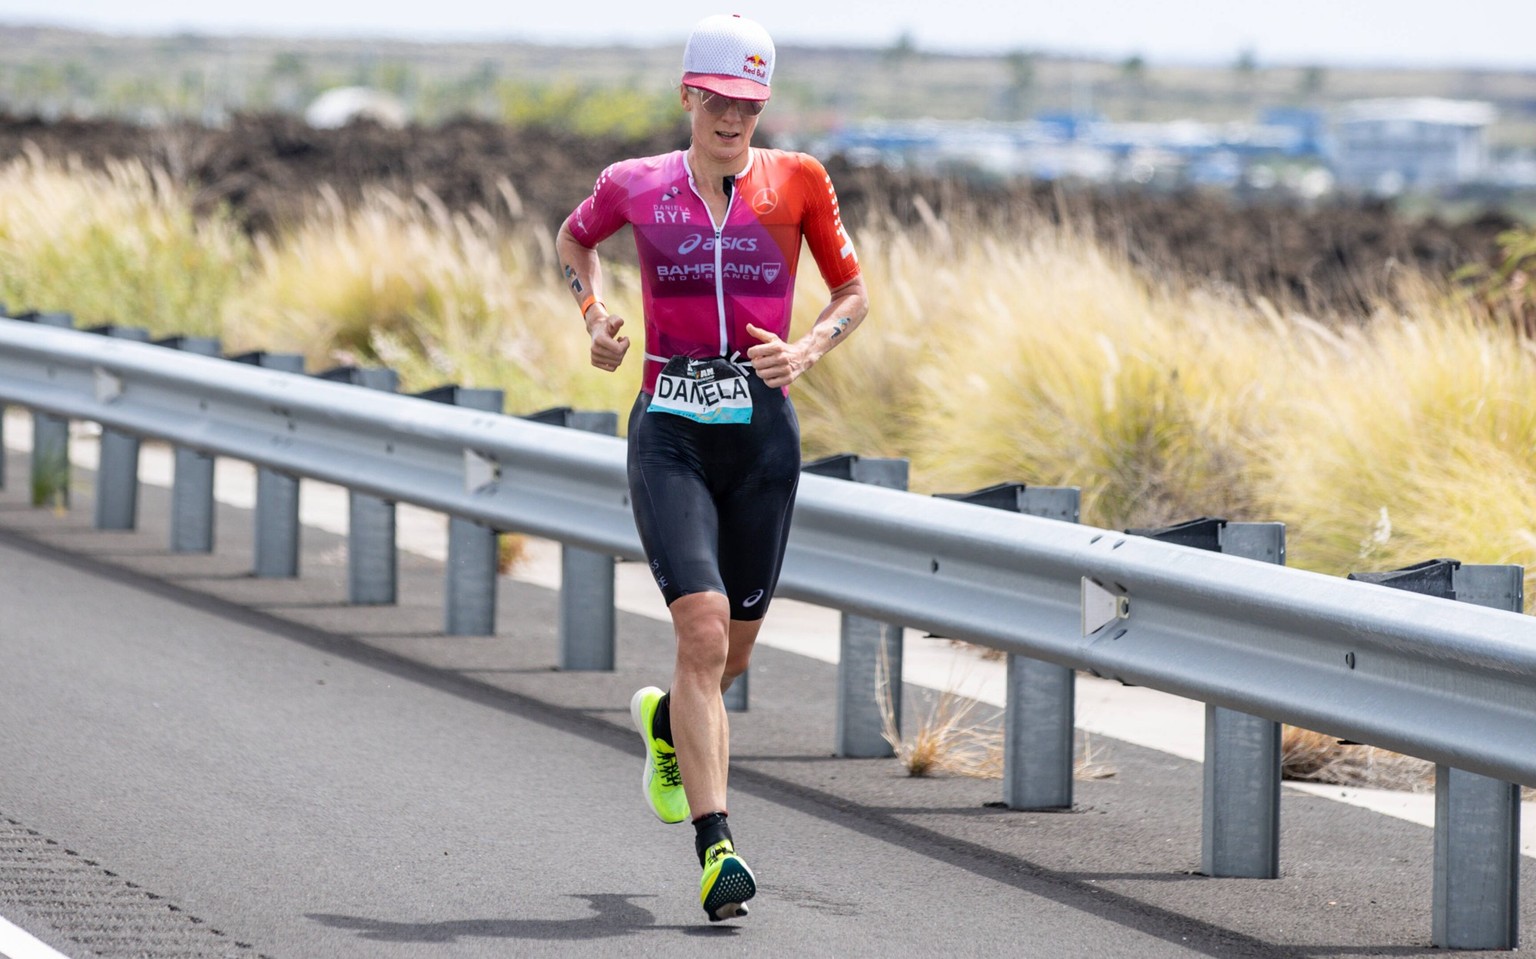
column 192, row 479
column 1477, row 818
column 4, row 314
column 277, row 494
column 1040, row 710
column 1240, row 834
column 50, row 438
column 117, row 469
column 587, row 615
column 1240, row 825
column 470, row 605
column 372, row 566
column 865, row 643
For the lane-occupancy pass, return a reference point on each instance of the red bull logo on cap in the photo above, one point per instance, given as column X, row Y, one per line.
column 756, row 66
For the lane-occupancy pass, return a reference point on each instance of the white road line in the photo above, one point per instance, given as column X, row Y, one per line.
column 17, row 943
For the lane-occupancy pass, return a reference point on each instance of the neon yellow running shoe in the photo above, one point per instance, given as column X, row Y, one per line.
column 727, row 883
column 662, row 781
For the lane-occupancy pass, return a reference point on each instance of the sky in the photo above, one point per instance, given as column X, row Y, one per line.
column 1412, row 33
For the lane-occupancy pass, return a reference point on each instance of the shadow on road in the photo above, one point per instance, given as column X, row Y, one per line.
column 614, row 914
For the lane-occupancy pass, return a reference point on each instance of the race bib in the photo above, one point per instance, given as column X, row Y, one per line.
column 706, row 391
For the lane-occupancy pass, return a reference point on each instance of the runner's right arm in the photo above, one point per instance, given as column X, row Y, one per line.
column 583, row 272
column 598, row 217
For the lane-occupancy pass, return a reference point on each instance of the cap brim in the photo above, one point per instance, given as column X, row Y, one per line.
column 737, row 88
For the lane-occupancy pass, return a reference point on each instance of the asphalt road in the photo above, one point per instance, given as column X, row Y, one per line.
column 316, row 805
column 199, row 763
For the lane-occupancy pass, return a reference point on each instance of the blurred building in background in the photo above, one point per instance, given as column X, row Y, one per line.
column 1061, row 146
column 1380, row 147
column 1387, row 146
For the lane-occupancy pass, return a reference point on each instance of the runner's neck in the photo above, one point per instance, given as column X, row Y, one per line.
column 708, row 178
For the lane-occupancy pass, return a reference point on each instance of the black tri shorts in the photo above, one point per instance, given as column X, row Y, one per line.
column 712, row 501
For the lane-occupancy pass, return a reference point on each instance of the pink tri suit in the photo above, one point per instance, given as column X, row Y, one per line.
column 703, row 283
column 713, row 489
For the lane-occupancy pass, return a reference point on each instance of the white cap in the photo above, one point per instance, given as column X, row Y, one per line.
column 729, row 55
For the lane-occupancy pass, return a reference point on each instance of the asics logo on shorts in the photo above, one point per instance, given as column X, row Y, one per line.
column 752, row 600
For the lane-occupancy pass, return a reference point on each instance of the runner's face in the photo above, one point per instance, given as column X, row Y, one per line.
column 723, row 137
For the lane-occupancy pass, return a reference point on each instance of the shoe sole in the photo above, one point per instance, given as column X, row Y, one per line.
column 733, row 887
column 636, row 705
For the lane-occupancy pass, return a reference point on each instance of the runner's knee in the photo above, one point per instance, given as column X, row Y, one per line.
column 700, row 622
column 736, row 662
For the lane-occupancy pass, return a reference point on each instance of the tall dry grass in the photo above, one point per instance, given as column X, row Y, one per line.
column 1413, row 437
column 118, row 245
column 440, row 297
column 1044, row 359
column 955, row 735
column 1068, row 368
column 863, row 397
column 1315, row 757
column 1037, row 357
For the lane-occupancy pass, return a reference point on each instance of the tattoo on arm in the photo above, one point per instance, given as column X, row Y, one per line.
column 839, row 326
column 575, row 281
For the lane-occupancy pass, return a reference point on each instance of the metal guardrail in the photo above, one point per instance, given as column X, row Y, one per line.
column 1453, row 683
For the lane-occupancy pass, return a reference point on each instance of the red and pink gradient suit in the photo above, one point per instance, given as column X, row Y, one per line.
column 702, row 283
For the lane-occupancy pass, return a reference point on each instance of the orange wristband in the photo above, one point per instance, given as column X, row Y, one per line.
column 587, row 303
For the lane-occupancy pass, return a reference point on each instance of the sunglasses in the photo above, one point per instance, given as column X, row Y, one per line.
column 717, row 105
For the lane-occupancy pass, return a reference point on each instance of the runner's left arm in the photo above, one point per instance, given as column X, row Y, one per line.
column 780, row 363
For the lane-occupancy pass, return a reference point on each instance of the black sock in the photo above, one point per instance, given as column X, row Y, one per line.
column 708, row 830
column 661, row 722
